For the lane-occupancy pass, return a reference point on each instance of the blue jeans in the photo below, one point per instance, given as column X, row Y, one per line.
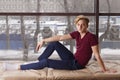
column 67, row 59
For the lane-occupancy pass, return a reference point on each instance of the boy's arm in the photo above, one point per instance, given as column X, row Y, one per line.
column 96, row 53
column 51, row 39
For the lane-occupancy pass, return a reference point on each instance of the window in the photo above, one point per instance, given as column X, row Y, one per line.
column 24, row 18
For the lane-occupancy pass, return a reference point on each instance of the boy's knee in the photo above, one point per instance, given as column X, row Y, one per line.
column 44, row 62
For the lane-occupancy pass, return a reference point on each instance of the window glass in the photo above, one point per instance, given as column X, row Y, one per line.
column 109, row 34
column 109, row 6
column 66, row 6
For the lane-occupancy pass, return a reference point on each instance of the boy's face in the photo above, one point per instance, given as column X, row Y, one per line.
column 82, row 26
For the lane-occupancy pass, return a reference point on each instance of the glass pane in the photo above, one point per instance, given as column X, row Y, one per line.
column 109, row 34
column 67, row 6
column 14, row 31
column 109, row 6
column 10, row 37
column 47, row 6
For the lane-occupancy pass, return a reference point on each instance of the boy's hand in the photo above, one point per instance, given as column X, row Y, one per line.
column 111, row 71
column 39, row 45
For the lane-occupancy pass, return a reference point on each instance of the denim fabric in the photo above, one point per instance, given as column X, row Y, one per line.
column 67, row 59
column 76, row 65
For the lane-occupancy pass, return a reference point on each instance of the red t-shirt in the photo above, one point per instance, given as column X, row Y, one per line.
column 83, row 46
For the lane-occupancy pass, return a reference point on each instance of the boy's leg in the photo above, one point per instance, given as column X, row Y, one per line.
column 34, row 65
column 63, row 52
column 61, row 64
column 56, row 64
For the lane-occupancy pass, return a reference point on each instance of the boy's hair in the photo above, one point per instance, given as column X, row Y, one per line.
column 81, row 17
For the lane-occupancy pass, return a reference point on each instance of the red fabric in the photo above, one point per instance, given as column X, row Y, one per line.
column 83, row 46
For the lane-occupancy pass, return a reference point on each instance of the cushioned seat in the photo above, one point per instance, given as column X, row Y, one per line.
column 110, row 64
column 83, row 74
column 24, row 75
column 91, row 72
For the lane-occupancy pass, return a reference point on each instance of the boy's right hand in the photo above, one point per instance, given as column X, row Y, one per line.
column 39, row 45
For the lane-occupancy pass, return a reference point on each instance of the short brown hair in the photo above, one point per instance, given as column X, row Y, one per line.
column 81, row 17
